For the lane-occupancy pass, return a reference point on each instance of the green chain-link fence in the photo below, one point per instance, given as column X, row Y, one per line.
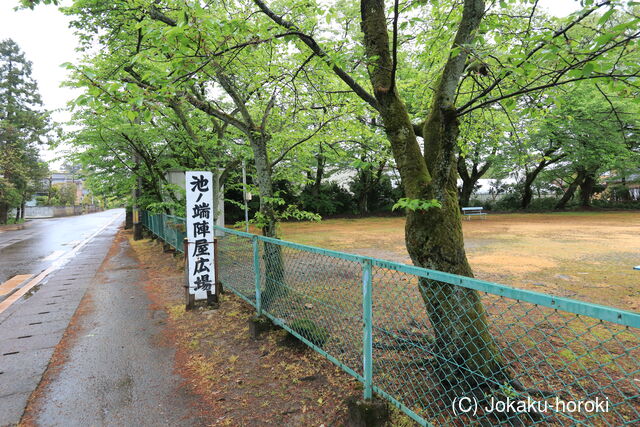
column 414, row 336
column 169, row 228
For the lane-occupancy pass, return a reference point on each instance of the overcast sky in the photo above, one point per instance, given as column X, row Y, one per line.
column 44, row 37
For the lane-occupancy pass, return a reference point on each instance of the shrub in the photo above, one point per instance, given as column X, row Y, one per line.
column 607, row 204
column 332, row 199
column 486, row 204
column 509, row 202
column 542, row 204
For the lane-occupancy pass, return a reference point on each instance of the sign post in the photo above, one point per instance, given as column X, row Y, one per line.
column 200, row 251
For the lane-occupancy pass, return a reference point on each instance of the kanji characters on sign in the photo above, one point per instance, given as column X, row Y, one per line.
column 200, row 233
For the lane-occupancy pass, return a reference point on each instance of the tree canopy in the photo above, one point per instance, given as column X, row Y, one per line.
column 23, row 126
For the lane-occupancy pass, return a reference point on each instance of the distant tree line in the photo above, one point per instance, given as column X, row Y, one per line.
column 23, row 127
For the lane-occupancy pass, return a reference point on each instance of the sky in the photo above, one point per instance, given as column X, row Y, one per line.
column 44, row 37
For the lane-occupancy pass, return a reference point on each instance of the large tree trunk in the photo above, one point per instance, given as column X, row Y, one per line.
column 469, row 180
column 527, row 192
column 272, row 254
column 363, row 203
column 466, row 191
column 364, row 176
column 317, row 182
column 568, row 194
column 586, row 189
column 4, row 212
column 529, row 178
column 268, row 219
column 435, row 241
column 531, row 175
column 466, row 351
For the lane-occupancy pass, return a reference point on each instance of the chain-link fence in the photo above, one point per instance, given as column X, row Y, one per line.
column 171, row 229
column 445, row 349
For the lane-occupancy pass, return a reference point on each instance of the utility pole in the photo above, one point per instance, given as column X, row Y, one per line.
column 137, row 226
column 137, row 189
column 245, row 196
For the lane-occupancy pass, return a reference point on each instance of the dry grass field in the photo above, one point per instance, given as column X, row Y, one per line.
column 584, row 255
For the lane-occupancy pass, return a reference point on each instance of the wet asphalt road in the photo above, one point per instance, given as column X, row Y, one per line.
column 35, row 315
column 111, row 368
column 26, row 251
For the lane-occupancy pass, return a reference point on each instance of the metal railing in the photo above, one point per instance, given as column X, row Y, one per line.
column 571, row 362
column 169, row 228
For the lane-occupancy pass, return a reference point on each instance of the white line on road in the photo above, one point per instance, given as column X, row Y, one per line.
column 55, row 255
column 56, row 265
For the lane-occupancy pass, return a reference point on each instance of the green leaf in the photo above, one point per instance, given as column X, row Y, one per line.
column 605, row 38
column 604, row 18
column 416, row 204
column 131, row 115
column 587, row 69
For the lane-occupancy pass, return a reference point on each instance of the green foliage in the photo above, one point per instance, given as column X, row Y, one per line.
column 330, row 200
column 293, row 213
column 616, row 204
column 374, row 192
column 14, row 221
column 23, row 125
column 290, row 213
column 617, row 193
column 509, row 202
column 311, row 331
column 416, row 204
column 63, row 194
column 542, row 204
column 138, row 91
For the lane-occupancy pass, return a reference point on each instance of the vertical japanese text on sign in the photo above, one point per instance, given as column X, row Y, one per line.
column 199, row 188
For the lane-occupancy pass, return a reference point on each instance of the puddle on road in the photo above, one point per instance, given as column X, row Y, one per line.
column 32, row 291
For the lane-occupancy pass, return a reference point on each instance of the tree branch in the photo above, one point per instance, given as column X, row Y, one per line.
column 315, row 48
column 394, row 46
column 558, row 33
column 206, row 107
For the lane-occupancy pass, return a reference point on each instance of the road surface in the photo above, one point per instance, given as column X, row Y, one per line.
column 80, row 342
column 45, row 269
column 43, row 241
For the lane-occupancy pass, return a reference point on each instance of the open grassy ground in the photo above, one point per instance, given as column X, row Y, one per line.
column 583, row 255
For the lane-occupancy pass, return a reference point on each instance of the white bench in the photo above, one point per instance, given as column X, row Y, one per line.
column 474, row 211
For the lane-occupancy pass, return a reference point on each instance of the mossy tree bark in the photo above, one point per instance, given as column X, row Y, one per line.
column 272, row 255
column 463, row 344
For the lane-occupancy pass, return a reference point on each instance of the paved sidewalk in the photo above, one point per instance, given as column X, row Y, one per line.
column 116, row 371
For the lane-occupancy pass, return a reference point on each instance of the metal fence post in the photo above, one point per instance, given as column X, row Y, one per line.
column 367, row 342
column 256, row 271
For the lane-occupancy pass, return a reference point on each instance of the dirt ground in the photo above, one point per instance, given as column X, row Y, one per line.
column 584, row 255
column 588, row 256
column 242, row 381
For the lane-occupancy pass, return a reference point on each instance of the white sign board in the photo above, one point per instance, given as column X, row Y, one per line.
column 199, row 188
